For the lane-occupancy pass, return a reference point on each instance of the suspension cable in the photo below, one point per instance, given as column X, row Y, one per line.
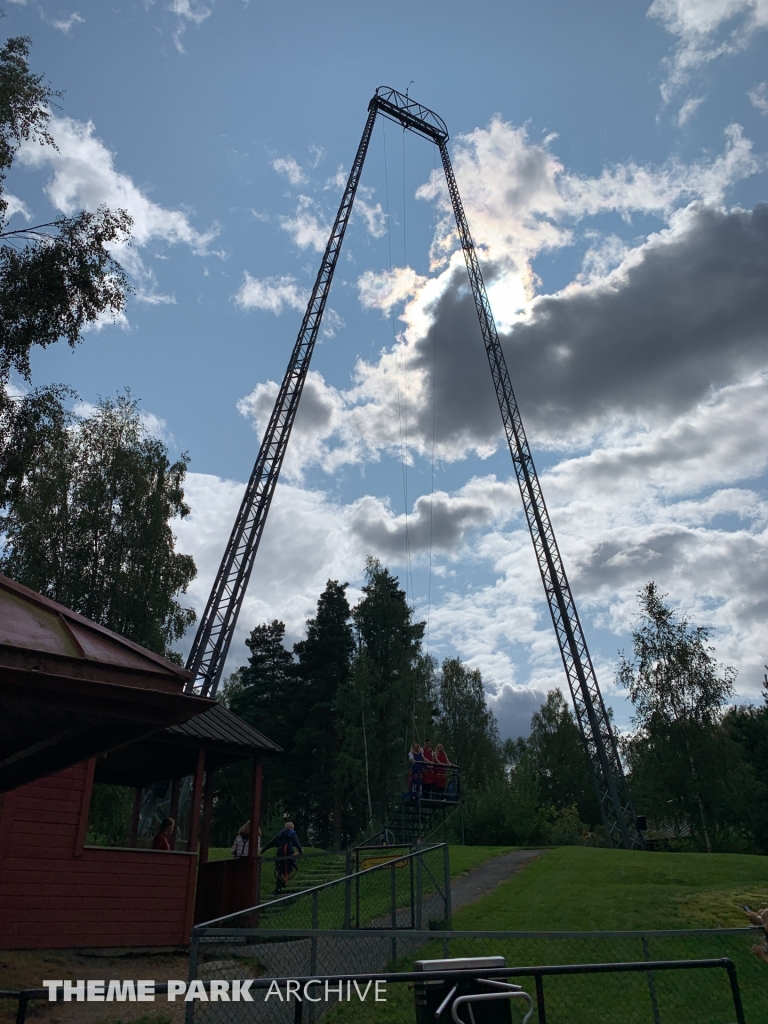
column 434, row 400
column 395, row 347
column 408, row 566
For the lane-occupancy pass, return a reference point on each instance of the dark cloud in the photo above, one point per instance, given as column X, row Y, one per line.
column 690, row 314
column 438, row 522
column 513, row 709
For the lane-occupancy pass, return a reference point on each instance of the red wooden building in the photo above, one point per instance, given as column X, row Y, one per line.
column 79, row 705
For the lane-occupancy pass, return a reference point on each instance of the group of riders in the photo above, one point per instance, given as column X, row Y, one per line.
column 428, row 775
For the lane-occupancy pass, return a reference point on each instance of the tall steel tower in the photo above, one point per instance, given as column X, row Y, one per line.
column 217, row 625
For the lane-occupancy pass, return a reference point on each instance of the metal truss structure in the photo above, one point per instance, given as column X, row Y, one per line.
column 217, row 625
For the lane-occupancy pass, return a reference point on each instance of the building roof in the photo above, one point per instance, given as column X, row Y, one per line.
column 70, row 688
column 172, row 753
column 224, row 729
column 31, row 622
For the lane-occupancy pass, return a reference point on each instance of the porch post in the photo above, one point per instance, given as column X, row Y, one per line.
column 205, row 831
column 133, row 830
column 173, row 810
column 194, row 835
column 194, row 811
column 254, row 863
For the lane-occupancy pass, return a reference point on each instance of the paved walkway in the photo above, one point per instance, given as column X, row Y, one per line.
column 484, row 879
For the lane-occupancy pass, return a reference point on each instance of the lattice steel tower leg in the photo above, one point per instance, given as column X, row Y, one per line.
column 214, row 634
column 217, row 625
column 594, row 724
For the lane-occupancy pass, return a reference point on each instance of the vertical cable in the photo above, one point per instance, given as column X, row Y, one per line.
column 408, row 567
column 434, row 391
column 397, row 358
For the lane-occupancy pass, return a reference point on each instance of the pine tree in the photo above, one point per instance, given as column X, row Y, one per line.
column 324, row 660
column 466, row 725
column 389, row 687
column 263, row 693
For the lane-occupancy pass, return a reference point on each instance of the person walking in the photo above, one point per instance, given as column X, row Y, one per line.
column 286, row 842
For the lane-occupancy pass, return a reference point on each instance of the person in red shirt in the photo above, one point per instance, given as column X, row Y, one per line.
column 429, row 771
column 162, row 840
column 441, row 759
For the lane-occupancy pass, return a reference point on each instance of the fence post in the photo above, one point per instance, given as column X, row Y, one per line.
column 313, row 945
column 357, row 889
column 419, row 891
column 21, row 1013
column 730, row 966
column 540, row 999
column 651, row 982
column 393, row 897
column 447, row 872
column 413, row 895
column 348, row 891
column 194, row 953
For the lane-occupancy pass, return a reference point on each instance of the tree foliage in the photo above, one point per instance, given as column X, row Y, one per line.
column 681, row 760
column 324, row 665
column 55, row 278
column 86, row 505
column 466, row 724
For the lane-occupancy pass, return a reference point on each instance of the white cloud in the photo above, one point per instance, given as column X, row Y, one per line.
column 706, row 30
column 190, row 10
column 65, row 25
column 758, row 97
column 85, row 177
column 688, row 109
column 305, row 227
column 374, row 217
column 157, row 427
column 289, row 167
column 332, row 322
column 337, row 180
column 16, row 205
column 187, row 12
column 388, row 288
column 271, row 293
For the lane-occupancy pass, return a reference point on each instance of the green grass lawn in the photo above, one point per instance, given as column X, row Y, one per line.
column 578, row 888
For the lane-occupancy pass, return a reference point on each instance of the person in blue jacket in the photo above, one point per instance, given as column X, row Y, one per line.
column 286, row 842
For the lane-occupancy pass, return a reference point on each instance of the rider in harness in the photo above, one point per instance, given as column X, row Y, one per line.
column 286, row 843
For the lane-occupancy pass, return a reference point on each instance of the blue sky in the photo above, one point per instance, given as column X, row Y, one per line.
column 612, row 161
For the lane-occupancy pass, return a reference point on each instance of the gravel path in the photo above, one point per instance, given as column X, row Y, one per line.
column 484, row 879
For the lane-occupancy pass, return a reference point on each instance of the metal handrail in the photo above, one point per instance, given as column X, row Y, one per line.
column 24, row 996
column 199, row 929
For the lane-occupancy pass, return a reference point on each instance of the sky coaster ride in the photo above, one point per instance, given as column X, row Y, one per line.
column 217, row 625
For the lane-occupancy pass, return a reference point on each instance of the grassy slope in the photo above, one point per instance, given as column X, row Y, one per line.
column 589, row 889
column 578, row 889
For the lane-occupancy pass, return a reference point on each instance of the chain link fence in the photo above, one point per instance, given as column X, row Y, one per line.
column 636, row 997
column 394, row 888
